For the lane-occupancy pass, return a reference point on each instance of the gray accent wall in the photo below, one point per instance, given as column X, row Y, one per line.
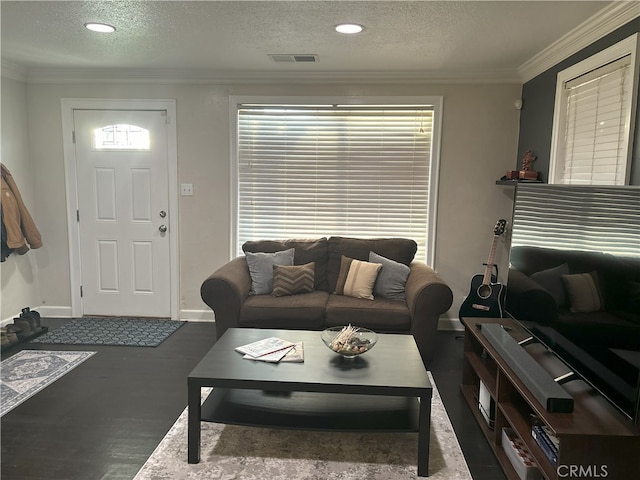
column 538, row 99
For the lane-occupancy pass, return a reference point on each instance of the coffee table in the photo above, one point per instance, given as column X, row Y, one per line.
column 386, row 389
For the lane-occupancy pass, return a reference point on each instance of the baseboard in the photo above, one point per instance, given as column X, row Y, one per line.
column 44, row 311
column 54, row 312
column 202, row 316
column 197, row 316
column 6, row 321
column 450, row 324
column 65, row 312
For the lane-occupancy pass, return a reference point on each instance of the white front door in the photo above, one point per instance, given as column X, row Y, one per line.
column 123, row 212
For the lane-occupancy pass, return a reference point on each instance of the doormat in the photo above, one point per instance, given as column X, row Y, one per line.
column 29, row 371
column 130, row 332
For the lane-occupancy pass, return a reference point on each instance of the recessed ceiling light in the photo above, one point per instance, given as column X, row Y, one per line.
column 349, row 28
column 100, row 27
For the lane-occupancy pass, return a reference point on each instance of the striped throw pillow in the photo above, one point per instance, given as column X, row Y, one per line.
column 291, row 280
column 356, row 278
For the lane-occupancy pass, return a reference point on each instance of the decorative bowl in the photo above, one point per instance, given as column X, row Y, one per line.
column 349, row 341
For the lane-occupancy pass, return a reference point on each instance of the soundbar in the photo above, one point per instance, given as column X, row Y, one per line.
column 535, row 378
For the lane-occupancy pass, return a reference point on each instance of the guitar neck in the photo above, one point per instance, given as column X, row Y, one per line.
column 486, row 280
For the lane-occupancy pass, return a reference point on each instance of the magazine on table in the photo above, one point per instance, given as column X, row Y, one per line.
column 264, row 347
column 293, row 354
column 273, row 357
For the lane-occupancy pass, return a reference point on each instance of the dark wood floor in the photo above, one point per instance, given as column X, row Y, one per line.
column 104, row 418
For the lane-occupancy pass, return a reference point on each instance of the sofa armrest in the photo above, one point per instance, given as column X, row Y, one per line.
column 428, row 296
column 528, row 300
column 225, row 291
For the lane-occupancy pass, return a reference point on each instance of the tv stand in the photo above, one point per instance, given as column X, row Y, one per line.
column 595, row 440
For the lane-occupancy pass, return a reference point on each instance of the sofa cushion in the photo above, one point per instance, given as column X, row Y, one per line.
column 633, row 297
column 292, row 280
column 392, row 278
column 584, row 292
column 306, row 251
column 304, row 311
column 401, row 250
column 599, row 328
column 261, row 269
column 356, row 278
column 551, row 281
column 379, row 315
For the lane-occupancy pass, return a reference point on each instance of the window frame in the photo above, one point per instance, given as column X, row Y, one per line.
column 628, row 46
column 404, row 101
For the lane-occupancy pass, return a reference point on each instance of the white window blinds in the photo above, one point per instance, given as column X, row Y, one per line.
column 595, row 144
column 313, row 171
column 568, row 217
column 594, row 117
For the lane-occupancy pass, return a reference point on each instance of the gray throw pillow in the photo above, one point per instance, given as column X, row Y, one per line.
column 261, row 269
column 391, row 279
column 551, row 281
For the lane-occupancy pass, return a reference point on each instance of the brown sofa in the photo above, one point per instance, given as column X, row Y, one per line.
column 427, row 296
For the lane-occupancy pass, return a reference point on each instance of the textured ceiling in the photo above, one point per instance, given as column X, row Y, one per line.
column 237, row 36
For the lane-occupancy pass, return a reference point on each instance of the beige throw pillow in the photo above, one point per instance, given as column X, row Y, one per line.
column 356, row 278
column 584, row 292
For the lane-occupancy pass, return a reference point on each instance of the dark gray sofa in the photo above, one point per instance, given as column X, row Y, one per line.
column 226, row 291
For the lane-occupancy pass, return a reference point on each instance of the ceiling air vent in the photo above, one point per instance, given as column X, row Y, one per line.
column 293, row 58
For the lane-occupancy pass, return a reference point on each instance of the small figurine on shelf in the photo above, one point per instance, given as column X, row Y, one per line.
column 527, row 173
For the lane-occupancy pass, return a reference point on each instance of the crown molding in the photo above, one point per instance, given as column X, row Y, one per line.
column 182, row 76
column 13, row 71
column 602, row 23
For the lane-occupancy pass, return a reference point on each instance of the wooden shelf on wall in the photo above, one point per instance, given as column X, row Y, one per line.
column 515, row 182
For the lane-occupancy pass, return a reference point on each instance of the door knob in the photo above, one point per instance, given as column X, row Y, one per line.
column 162, row 228
column 162, row 214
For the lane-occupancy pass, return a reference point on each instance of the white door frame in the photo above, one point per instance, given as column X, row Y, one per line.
column 68, row 106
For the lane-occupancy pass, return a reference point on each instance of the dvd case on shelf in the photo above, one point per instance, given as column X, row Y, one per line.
column 520, row 458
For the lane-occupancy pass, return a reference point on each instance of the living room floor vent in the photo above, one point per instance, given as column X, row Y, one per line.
column 293, row 58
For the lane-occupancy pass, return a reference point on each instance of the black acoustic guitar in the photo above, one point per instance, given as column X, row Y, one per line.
column 486, row 297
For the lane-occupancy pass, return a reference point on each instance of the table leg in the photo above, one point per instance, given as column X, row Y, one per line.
column 424, row 431
column 193, row 436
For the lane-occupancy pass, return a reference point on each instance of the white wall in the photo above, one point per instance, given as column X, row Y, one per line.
column 479, row 142
column 19, row 273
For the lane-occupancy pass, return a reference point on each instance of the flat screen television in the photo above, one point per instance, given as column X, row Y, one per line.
column 574, row 282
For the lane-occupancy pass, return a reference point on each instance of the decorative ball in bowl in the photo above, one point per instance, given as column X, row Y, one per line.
column 349, row 341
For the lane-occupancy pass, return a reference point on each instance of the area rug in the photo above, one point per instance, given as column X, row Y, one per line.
column 250, row 453
column 29, row 371
column 135, row 332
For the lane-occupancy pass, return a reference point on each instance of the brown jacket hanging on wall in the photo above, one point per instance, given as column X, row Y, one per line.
column 20, row 227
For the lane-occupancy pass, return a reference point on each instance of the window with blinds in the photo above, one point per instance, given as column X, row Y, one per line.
column 313, row 171
column 594, row 111
column 569, row 217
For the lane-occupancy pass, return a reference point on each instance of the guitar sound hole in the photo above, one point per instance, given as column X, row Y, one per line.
column 484, row 291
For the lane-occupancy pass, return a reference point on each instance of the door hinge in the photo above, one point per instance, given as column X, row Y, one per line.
column 78, row 216
column 73, row 136
column 81, row 292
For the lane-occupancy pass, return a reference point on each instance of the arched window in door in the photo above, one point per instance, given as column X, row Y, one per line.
column 121, row 137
